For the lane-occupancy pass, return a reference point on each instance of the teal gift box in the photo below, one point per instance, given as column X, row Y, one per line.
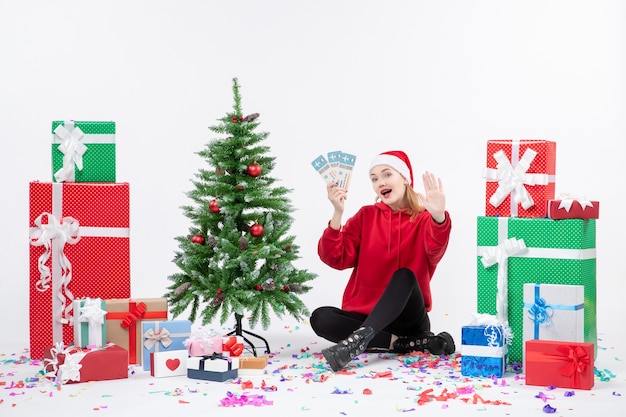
column 484, row 351
column 556, row 252
column 83, row 151
column 89, row 322
column 163, row 336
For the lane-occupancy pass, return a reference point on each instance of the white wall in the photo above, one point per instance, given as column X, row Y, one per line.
column 435, row 78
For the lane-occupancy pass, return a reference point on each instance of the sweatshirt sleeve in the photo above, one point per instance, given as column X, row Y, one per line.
column 339, row 248
column 437, row 237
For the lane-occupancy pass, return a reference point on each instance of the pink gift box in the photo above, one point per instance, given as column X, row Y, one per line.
column 205, row 346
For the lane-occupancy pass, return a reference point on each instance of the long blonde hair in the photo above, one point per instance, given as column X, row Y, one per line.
column 414, row 204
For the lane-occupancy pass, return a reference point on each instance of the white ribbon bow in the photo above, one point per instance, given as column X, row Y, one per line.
column 568, row 199
column 152, row 338
column 92, row 312
column 73, row 150
column 493, row 329
column 514, row 179
column 64, row 231
column 500, row 255
column 70, row 369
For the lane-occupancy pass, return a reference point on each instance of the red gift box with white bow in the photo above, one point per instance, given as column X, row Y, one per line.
column 520, row 176
column 79, row 247
column 71, row 364
column 559, row 364
column 572, row 207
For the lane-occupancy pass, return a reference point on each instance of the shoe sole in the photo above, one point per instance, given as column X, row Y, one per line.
column 448, row 346
column 330, row 358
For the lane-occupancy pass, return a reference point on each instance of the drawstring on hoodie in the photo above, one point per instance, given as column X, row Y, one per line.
column 399, row 216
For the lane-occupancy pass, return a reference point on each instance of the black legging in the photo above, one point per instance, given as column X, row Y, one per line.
column 399, row 311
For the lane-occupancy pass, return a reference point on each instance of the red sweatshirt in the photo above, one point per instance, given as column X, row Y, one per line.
column 378, row 241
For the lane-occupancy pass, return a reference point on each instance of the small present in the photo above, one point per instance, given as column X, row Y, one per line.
column 168, row 363
column 89, row 322
column 573, row 207
column 520, row 177
column 232, row 345
column 79, row 247
column 203, row 342
column 73, row 364
column 83, row 151
column 559, row 364
column 124, row 318
column 212, row 368
column 484, row 349
column 252, row 365
column 554, row 312
column 160, row 336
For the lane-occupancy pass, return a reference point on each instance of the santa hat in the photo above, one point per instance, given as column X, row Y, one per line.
column 396, row 160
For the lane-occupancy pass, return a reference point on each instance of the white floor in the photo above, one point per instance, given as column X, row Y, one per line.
column 297, row 381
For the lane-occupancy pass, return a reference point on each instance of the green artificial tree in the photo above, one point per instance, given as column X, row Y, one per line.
column 238, row 257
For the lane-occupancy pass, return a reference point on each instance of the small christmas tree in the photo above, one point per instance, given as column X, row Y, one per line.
column 238, row 255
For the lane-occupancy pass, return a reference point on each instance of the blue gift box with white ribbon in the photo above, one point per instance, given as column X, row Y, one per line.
column 484, row 350
column 163, row 336
column 554, row 312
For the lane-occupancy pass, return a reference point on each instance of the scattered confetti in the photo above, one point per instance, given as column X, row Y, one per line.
column 549, row 409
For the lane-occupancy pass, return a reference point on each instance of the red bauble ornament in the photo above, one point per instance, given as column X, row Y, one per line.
column 256, row 230
column 254, row 170
column 198, row 239
column 258, row 287
column 234, row 119
column 213, row 206
column 239, row 187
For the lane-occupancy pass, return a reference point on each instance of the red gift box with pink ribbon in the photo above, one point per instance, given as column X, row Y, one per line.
column 559, row 364
column 79, row 247
column 520, row 176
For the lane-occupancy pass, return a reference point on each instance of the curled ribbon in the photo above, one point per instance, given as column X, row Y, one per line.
column 500, row 254
column 494, row 329
column 64, row 231
column 152, row 338
column 73, row 150
column 540, row 312
column 567, row 200
column 514, row 179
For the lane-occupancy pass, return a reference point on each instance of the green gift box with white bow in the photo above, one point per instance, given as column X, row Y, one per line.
column 83, row 151
column 515, row 251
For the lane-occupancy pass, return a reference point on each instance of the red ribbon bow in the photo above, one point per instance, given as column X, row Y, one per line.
column 577, row 361
column 133, row 315
column 233, row 346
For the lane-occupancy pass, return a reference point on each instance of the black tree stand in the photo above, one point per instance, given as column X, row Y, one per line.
column 239, row 331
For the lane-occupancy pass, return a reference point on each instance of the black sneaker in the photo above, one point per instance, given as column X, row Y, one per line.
column 441, row 344
column 343, row 352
